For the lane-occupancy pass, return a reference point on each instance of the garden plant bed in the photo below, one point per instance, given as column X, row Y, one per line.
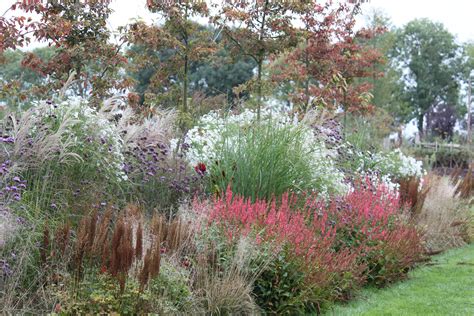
column 233, row 158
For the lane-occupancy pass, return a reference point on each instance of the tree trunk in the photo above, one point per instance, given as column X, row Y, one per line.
column 306, row 84
column 259, row 88
column 186, row 65
column 420, row 125
column 428, row 132
column 261, row 57
column 185, row 84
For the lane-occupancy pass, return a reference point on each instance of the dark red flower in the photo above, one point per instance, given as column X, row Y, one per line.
column 200, row 168
column 57, row 308
column 185, row 263
column 103, row 269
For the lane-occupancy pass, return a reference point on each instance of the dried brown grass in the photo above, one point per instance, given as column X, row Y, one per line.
column 222, row 291
column 112, row 246
column 148, row 131
column 444, row 216
column 33, row 150
column 175, row 234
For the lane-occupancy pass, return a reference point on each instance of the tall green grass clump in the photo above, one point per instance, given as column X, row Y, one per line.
column 264, row 160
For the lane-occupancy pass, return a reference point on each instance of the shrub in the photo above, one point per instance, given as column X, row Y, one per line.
column 101, row 294
column 372, row 219
column 444, row 157
column 330, row 249
column 173, row 287
column 158, row 176
column 395, row 164
column 279, row 286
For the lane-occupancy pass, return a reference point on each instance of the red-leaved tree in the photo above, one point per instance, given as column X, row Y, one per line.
column 329, row 59
column 79, row 33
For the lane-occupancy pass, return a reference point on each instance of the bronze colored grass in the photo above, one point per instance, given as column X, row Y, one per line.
column 412, row 195
column 443, row 217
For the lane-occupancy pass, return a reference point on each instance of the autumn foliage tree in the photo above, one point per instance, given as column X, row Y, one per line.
column 180, row 41
column 79, row 31
column 258, row 29
column 19, row 30
column 330, row 57
column 322, row 55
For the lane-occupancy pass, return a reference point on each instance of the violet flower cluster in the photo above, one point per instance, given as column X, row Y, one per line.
column 154, row 164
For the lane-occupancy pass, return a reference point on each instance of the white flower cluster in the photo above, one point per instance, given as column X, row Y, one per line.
column 207, row 138
column 397, row 164
column 323, row 166
column 387, row 167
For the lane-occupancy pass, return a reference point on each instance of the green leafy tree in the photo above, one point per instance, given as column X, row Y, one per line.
column 221, row 74
column 386, row 88
column 429, row 57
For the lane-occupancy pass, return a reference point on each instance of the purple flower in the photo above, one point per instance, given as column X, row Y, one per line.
column 21, row 221
column 5, row 268
column 53, row 205
column 16, row 179
column 16, row 197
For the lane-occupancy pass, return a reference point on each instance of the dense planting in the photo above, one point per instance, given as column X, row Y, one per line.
column 263, row 209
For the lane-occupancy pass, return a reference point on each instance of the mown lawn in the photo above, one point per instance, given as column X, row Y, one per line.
column 445, row 286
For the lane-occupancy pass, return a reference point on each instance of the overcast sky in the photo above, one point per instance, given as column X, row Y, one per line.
column 456, row 15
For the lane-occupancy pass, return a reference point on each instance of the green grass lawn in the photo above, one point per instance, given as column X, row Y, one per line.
column 445, row 286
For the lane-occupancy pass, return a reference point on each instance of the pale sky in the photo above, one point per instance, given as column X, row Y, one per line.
column 456, row 15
